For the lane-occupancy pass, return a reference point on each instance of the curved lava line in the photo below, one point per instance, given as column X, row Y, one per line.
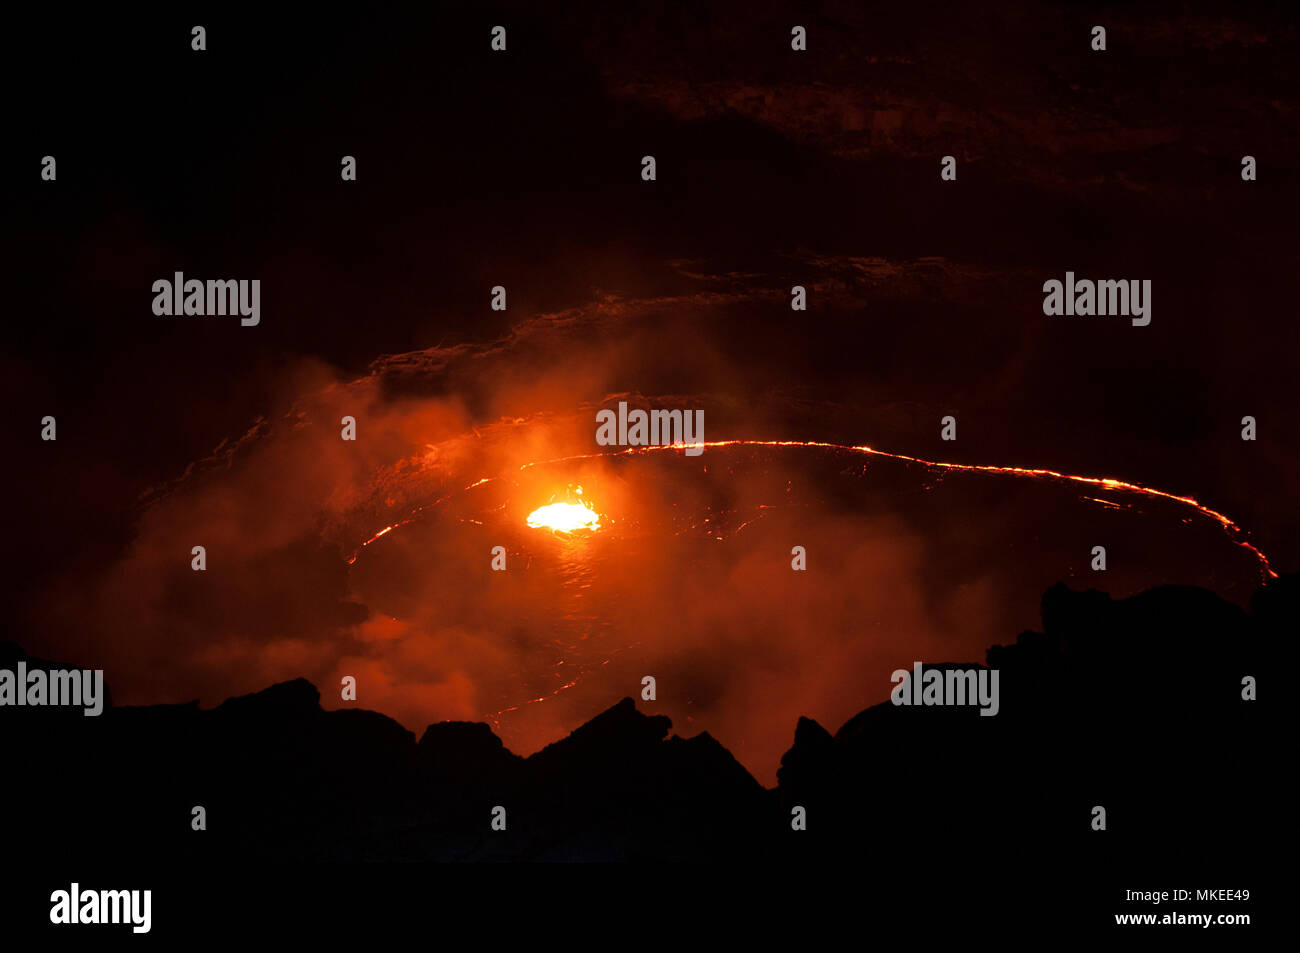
column 1232, row 529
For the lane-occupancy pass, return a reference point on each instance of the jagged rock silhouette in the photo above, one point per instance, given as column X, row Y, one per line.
column 1134, row 704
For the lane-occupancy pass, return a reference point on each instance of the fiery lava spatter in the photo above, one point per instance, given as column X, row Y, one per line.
column 564, row 517
column 568, row 516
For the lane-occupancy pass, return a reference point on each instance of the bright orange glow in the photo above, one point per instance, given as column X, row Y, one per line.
column 567, row 517
column 1232, row 529
column 564, row 517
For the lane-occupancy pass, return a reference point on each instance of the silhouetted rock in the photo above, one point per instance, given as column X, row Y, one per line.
column 293, row 699
column 467, row 751
column 1276, row 606
column 619, row 731
column 1134, row 704
column 803, row 765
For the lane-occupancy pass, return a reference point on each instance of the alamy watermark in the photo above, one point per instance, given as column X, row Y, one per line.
column 103, row 906
column 79, row 687
column 1103, row 297
column 946, row 686
column 179, row 296
column 640, row 428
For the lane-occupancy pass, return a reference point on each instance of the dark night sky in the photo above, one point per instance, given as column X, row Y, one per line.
column 522, row 169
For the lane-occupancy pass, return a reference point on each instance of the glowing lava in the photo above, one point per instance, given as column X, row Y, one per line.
column 567, row 517
column 564, row 517
column 1232, row 529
